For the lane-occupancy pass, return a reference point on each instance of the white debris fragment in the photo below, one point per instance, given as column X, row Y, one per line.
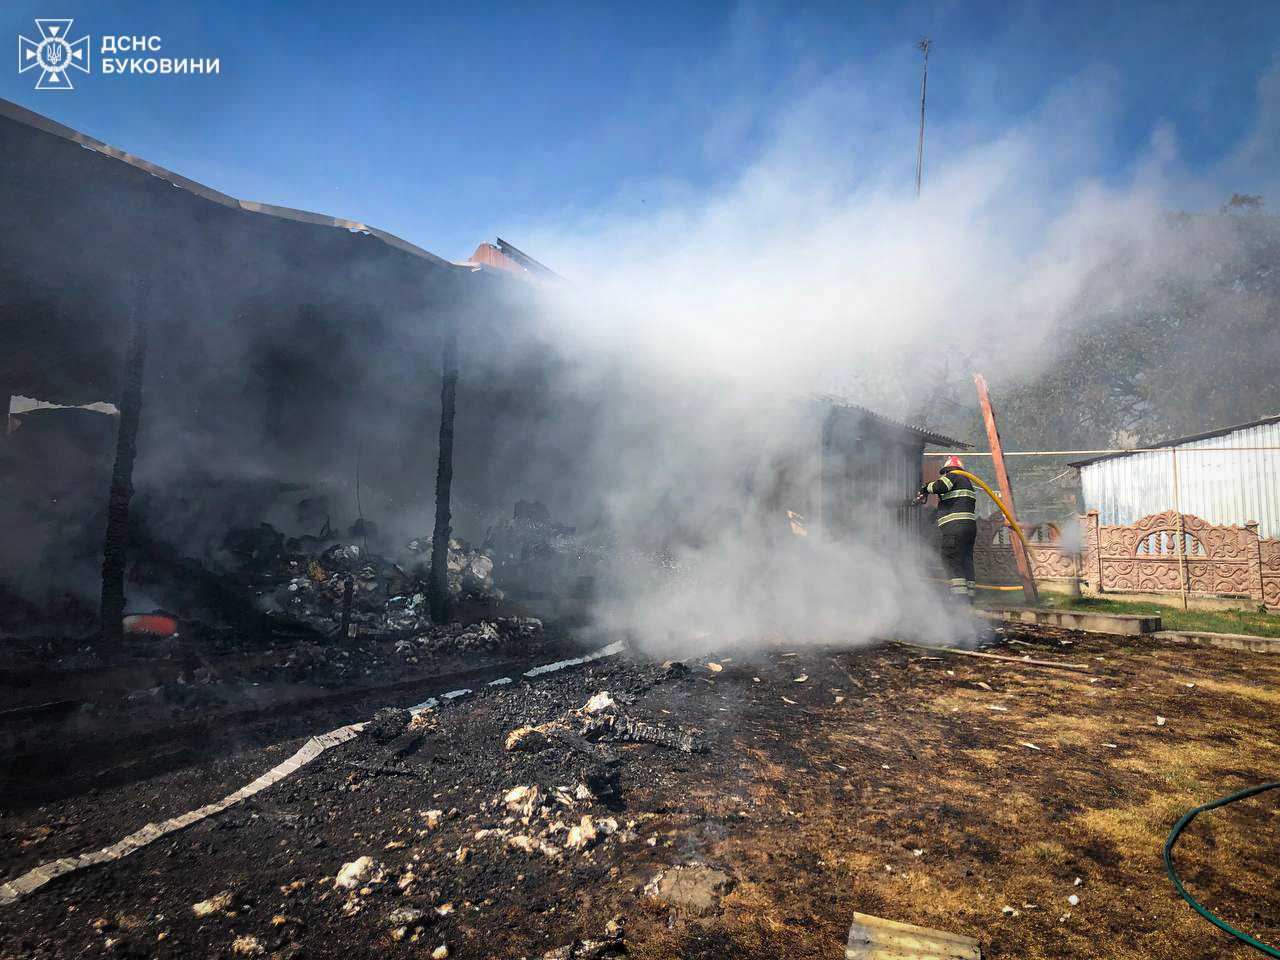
column 1009, row 911
column 917, row 852
column 356, row 873
column 801, row 679
column 1074, row 900
column 215, row 904
column 1112, row 746
column 1078, row 881
column 522, row 800
column 527, row 844
column 247, row 947
column 406, row 917
column 582, row 834
column 1160, row 721
column 601, row 701
column 785, row 700
column 714, row 667
column 1028, row 745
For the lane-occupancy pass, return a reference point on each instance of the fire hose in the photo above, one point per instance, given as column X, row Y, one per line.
column 1012, row 524
column 1177, row 884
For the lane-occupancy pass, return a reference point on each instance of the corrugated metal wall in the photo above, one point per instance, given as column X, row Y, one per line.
column 1227, row 487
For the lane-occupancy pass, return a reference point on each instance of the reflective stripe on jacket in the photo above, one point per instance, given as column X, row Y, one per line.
column 957, row 499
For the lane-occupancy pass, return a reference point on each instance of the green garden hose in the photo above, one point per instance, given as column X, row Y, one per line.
column 1168, row 865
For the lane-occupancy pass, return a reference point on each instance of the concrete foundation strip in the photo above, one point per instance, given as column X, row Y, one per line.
column 36, row 878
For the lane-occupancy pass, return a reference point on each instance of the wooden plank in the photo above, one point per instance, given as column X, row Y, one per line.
column 880, row 927
column 874, row 938
column 1020, row 556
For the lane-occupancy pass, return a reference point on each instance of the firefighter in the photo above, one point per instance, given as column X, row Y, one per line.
column 957, row 524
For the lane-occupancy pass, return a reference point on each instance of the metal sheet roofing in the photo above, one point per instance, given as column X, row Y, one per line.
column 1179, row 441
column 32, row 119
column 1216, row 480
column 923, row 433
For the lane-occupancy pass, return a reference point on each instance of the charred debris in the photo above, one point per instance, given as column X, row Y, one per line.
column 229, row 418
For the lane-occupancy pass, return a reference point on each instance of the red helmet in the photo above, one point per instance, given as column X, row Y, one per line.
column 952, row 463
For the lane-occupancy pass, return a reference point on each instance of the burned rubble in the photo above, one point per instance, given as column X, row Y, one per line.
column 323, row 585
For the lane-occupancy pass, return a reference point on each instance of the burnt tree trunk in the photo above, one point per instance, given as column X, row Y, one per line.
column 438, row 587
column 115, row 545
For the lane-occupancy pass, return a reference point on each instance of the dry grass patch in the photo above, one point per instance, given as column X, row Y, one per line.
column 1046, row 851
column 1262, row 694
column 986, row 757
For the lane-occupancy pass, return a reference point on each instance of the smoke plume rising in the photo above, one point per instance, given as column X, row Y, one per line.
column 697, row 318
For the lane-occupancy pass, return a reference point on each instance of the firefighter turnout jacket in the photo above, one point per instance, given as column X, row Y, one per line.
column 956, row 498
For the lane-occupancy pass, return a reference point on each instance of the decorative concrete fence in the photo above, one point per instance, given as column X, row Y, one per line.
column 993, row 553
column 1144, row 557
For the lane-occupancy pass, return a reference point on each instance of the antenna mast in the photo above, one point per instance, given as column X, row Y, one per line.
column 923, row 47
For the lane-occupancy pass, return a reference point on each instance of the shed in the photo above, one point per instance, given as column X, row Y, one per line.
column 1224, row 476
column 871, row 467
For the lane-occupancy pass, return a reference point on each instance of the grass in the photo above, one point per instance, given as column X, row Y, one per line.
column 1249, row 622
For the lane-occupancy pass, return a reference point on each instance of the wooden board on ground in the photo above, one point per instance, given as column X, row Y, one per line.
column 873, row 938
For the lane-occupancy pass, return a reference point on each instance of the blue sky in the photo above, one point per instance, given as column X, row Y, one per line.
column 449, row 123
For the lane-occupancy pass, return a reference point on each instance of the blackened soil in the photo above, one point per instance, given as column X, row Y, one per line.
column 916, row 785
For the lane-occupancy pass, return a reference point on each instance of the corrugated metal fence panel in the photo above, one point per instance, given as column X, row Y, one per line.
column 1230, row 487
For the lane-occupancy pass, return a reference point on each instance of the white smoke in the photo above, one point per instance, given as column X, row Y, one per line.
column 701, row 315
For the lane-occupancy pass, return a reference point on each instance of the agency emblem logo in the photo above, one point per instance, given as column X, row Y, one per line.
column 53, row 54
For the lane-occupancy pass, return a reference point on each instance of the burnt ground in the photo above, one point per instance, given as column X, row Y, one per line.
column 919, row 786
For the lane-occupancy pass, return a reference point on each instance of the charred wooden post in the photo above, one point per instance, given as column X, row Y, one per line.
column 348, row 585
column 115, row 544
column 438, row 586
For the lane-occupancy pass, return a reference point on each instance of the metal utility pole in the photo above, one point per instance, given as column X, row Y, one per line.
column 923, row 46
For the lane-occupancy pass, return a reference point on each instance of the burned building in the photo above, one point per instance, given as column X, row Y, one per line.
column 290, row 368
column 293, row 365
